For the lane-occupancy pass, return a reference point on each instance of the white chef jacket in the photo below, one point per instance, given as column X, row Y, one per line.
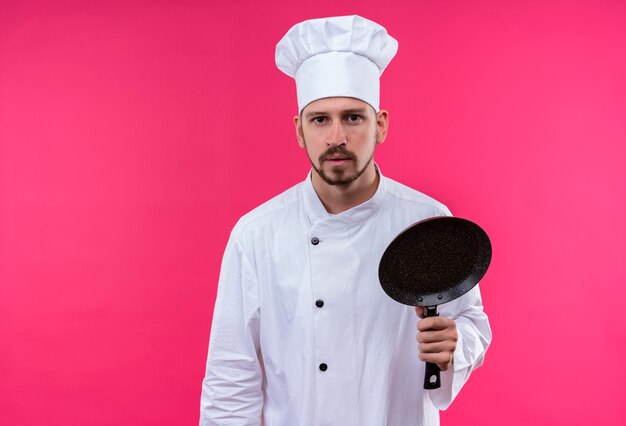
column 299, row 288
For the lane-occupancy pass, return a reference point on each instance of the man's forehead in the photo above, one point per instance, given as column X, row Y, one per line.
column 336, row 105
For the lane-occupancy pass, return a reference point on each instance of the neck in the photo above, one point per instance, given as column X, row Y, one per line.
column 339, row 198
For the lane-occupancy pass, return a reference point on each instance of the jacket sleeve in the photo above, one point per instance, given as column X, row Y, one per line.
column 231, row 390
column 474, row 338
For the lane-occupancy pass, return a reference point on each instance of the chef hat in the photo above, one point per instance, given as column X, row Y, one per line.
column 339, row 56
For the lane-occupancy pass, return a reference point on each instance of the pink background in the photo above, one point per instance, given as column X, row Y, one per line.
column 133, row 135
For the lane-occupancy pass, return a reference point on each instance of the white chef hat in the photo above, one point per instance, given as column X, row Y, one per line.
column 338, row 56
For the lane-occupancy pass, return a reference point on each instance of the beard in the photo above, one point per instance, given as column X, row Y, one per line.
column 342, row 174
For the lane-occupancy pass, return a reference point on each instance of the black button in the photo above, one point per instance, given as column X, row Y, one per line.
column 319, row 303
column 323, row 367
column 315, row 241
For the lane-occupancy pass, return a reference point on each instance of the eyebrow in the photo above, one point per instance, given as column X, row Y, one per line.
column 361, row 111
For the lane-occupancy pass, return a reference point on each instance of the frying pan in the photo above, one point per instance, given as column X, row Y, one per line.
column 432, row 262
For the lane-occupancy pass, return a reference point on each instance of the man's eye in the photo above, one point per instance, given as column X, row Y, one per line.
column 354, row 118
column 319, row 120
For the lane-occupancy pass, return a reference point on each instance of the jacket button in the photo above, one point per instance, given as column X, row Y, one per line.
column 315, row 241
column 323, row 367
column 319, row 303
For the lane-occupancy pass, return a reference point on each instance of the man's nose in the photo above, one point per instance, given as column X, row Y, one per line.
column 337, row 134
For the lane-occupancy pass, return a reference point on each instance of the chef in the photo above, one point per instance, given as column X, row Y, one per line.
column 302, row 333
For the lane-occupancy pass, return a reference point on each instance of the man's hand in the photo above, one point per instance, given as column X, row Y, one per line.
column 436, row 340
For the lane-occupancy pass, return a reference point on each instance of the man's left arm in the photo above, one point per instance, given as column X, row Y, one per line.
column 456, row 341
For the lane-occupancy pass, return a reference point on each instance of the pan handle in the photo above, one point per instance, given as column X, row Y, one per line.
column 432, row 379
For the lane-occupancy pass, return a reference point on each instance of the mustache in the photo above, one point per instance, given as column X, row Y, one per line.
column 336, row 151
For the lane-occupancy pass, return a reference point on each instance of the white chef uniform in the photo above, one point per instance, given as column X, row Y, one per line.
column 302, row 332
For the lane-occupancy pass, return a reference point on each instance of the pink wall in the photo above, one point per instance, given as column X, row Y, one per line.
column 134, row 134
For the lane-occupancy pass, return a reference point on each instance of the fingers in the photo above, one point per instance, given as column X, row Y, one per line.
column 436, row 340
column 419, row 311
column 436, row 347
column 442, row 359
column 432, row 336
column 435, row 323
column 440, row 352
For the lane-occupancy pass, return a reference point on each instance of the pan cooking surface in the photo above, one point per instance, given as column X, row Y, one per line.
column 434, row 261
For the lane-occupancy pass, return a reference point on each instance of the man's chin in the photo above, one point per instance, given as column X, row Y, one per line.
column 338, row 176
column 340, row 182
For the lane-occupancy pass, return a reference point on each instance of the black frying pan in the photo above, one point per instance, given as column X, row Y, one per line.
column 432, row 262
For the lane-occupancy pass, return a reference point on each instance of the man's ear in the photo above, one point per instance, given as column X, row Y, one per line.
column 382, row 125
column 299, row 134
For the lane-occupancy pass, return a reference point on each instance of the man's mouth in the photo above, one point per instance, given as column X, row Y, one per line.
column 337, row 155
column 337, row 159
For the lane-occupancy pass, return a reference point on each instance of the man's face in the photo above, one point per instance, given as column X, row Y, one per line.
column 340, row 136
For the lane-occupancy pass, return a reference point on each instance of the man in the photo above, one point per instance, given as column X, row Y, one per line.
column 302, row 332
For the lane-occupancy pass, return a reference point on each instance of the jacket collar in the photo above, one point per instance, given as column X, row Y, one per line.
column 316, row 212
